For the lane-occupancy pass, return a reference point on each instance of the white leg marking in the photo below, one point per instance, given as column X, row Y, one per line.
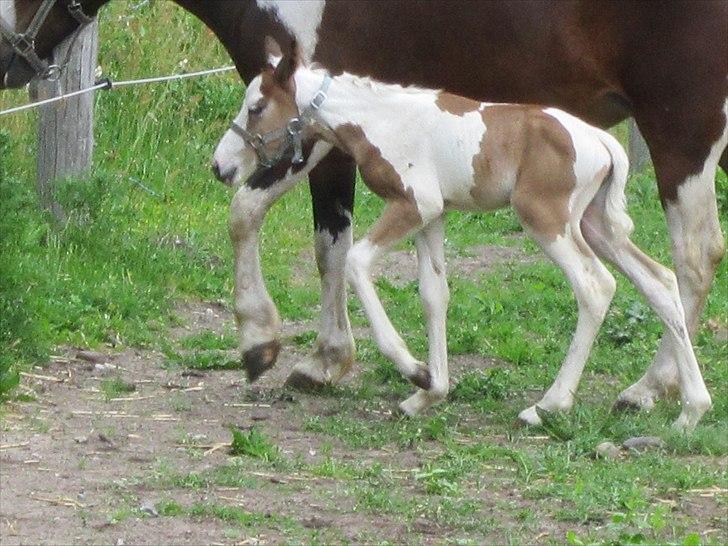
column 697, row 246
column 659, row 286
column 593, row 287
column 435, row 296
column 334, row 352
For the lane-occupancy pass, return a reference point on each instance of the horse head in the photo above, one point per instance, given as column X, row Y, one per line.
column 272, row 136
column 30, row 29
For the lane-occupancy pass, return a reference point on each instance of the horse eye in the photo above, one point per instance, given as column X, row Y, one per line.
column 255, row 110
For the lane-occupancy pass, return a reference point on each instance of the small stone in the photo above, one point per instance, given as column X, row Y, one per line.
column 149, row 509
column 92, row 356
column 119, row 542
column 642, row 443
column 81, row 439
column 103, row 369
column 607, row 450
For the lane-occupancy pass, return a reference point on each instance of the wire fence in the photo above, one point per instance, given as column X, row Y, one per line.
column 108, row 84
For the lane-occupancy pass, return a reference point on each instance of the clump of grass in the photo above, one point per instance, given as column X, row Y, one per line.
column 481, row 384
column 116, row 387
column 209, row 341
column 253, row 444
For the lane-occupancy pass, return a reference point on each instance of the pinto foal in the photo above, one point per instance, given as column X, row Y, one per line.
column 426, row 152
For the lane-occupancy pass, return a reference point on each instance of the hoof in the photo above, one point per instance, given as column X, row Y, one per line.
column 303, row 382
column 530, row 417
column 623, row 405
column 421, row 378
column 261, row 358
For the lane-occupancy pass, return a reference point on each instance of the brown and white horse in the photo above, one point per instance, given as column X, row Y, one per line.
column 426, row 152
column 663, row 62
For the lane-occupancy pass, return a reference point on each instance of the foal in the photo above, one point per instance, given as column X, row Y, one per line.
column 425, row 152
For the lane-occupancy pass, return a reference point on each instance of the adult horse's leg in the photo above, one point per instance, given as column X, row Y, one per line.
column 685, row 165
column 332, row 194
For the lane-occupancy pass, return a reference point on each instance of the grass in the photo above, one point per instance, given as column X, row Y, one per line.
column 148, row 228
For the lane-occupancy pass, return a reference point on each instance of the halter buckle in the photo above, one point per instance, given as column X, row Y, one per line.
column 318, row 99
column 294, row 127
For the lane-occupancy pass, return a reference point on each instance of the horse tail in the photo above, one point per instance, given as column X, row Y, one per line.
column 615, row 205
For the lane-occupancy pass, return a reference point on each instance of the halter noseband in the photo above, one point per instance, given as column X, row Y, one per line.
column 23, row 43
column 291, row 134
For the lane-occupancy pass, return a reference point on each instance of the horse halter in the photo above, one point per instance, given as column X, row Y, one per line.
column 291, row 134
column 23, row 43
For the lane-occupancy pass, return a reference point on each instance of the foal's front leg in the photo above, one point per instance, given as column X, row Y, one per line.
column 400, row 217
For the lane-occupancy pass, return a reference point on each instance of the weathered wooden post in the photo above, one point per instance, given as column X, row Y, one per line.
column 639, row 154
column 65, row 128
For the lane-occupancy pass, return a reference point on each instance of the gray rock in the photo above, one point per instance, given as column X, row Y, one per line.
column 148, row 508
column 642, row 443
column 607, row 450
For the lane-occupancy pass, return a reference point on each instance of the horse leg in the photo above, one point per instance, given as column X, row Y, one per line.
column 332, row 192
column 434, row 292
column 659, row 286
column 687, row 190
column 255, row 313
column 399, row 218
column 593, row 287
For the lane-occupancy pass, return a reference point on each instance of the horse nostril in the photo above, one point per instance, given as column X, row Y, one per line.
column 224, row 175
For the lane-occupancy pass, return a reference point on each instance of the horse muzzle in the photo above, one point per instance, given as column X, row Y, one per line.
column 14, row 72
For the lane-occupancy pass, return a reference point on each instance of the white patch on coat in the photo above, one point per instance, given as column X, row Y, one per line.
column 301, row 19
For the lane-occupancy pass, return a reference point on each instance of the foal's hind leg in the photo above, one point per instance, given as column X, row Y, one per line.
column 593, row 287
column 400, row 218
column 435, row 295
column 659, row 286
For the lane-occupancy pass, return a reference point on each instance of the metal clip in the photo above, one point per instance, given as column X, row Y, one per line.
column 318, row 99
column 52, row 73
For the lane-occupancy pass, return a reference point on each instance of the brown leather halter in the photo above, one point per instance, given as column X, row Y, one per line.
column 23, row 43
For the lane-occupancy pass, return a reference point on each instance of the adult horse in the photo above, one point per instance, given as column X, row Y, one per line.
column 665, row 63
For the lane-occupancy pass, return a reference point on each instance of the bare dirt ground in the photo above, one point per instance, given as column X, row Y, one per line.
column 80, row 467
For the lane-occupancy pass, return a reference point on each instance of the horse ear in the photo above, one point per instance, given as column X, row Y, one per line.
column 287, row 66
column 273, row 51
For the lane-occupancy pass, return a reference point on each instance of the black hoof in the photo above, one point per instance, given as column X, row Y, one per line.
column 622, row 405
column 421, row 378
column 261, row 358
column 302, row 382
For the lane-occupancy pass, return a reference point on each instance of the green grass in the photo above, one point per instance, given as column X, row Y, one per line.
column 148, row 227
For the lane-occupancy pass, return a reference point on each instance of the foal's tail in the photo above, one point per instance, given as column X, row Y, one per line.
column 612, row 190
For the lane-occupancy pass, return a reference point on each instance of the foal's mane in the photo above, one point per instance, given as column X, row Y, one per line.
column 377, row 87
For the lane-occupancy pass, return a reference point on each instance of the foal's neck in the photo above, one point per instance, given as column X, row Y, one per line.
column 355, row 106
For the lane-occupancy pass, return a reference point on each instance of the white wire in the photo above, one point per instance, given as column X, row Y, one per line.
column 121, row 83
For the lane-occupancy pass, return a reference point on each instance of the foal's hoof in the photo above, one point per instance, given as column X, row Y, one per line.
column 303, row 382
column 421, row 378
column 261, row 358
column 623, row 405
column 529, row 417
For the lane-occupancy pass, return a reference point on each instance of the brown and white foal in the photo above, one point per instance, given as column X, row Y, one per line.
column 426, row 152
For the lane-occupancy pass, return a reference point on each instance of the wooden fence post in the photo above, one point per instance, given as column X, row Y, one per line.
column 65, row 128
column 639, row 154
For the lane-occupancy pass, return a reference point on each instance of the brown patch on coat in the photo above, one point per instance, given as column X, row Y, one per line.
column 501, row 150
column 455, row 104
column 401, row 214
column 546, row 177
